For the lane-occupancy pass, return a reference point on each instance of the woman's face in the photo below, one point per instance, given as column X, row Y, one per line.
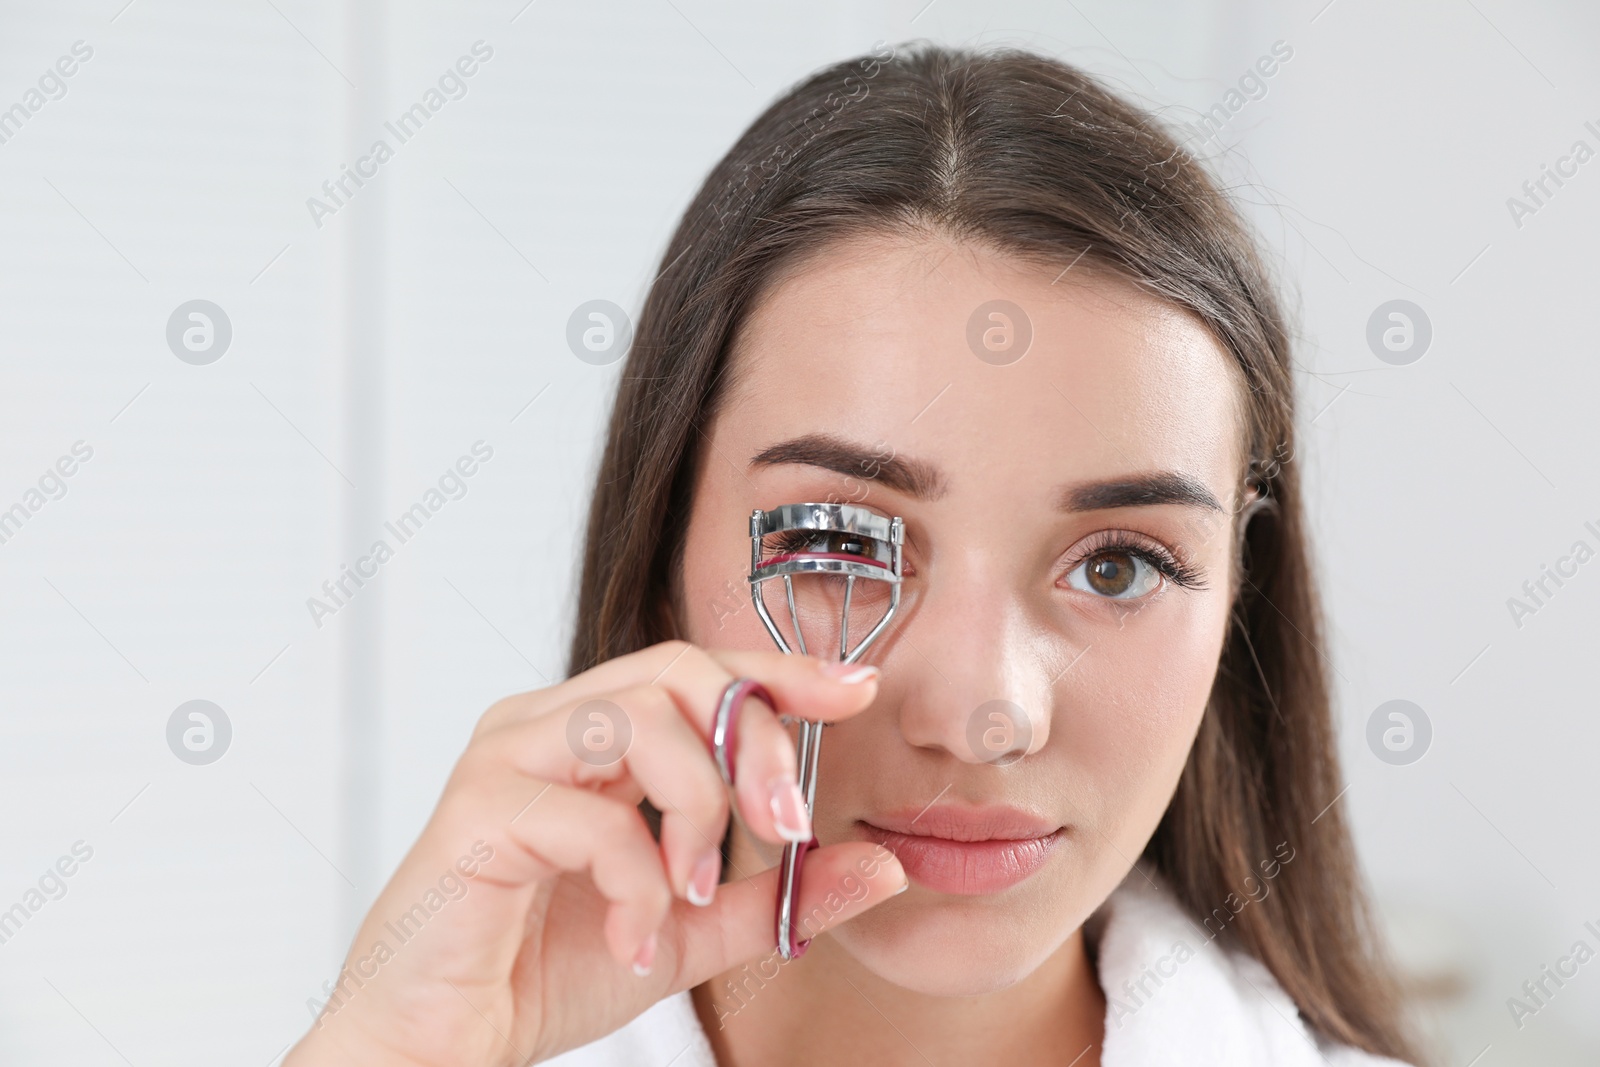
column 1068, row 552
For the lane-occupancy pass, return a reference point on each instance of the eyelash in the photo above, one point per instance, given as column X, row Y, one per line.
column 1170, row 566
column 795, row 540
column 1174, row 569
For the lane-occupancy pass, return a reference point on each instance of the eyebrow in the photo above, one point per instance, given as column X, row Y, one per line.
column 1137, row 491
column 922, row 480
column 915, row 478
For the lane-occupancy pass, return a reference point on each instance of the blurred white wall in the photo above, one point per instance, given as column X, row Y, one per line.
column 374, row 346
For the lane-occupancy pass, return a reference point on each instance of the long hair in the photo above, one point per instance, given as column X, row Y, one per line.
column 1034, row 158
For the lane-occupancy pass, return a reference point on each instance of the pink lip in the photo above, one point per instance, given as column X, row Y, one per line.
column 966, row 851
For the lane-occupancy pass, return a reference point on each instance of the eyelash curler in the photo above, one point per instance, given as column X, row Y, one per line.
column 859, row 544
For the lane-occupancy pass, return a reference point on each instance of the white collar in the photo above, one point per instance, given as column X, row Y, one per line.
column 1172, row 996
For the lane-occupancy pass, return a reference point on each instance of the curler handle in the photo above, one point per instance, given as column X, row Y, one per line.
column 794, row 854
column 816, row 517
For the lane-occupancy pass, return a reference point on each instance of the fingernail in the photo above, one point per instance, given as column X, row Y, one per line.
column 703, row 879
column 789, row 810
column 849, row 673
column 645, row 956
column 904, row 886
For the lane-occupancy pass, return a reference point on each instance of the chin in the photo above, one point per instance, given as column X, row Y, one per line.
column 950, row 946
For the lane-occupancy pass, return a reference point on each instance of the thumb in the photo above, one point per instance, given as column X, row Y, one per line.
column 837, row 883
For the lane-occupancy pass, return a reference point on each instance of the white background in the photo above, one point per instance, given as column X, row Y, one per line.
column 372, row 351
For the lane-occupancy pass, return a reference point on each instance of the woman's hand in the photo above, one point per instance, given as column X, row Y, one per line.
column 517, row 926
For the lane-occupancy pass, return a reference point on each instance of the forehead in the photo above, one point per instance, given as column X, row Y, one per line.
column 873, row 338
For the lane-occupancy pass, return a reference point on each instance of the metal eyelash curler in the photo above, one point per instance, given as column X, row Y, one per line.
column 859, row 543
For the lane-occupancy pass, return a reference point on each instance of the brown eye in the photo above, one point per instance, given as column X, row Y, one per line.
column 1115, row 575
column 843, row 542
column 1111, row 573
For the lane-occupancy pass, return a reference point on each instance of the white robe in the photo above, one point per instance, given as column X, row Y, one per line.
column 1173, row 996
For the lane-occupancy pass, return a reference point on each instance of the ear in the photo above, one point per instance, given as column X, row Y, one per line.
column 1256, row 500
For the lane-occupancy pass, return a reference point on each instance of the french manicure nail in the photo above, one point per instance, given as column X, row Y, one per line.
column 645, row 956
column 906, row 885
column 703, row 879
column 849, row 673
column 789, row 810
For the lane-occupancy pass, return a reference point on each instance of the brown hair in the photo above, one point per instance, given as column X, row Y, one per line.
column 1030, row 156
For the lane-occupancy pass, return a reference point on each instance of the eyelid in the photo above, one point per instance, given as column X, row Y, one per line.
column 1098, row 541
column 1172, row 565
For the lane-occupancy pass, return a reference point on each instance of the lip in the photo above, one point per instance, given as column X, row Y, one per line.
column 965, row 851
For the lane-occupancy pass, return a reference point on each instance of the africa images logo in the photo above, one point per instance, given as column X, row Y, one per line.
column 451, row 485
column 452, row 85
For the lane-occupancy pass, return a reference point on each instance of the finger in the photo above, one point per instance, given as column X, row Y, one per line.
column 662, row 756
column 577, row 830
column 650, row 746
column 838, row 883
column 686, row 781
column 800, row 684
column 765, row 768
column 767, row 776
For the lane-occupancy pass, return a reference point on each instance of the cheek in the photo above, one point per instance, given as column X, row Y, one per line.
column 715, row 609
column 1133, row 709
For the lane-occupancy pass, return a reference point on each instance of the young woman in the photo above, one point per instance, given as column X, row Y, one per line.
column 977, row 291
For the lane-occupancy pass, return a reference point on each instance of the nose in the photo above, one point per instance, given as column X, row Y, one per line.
column 975, row 666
